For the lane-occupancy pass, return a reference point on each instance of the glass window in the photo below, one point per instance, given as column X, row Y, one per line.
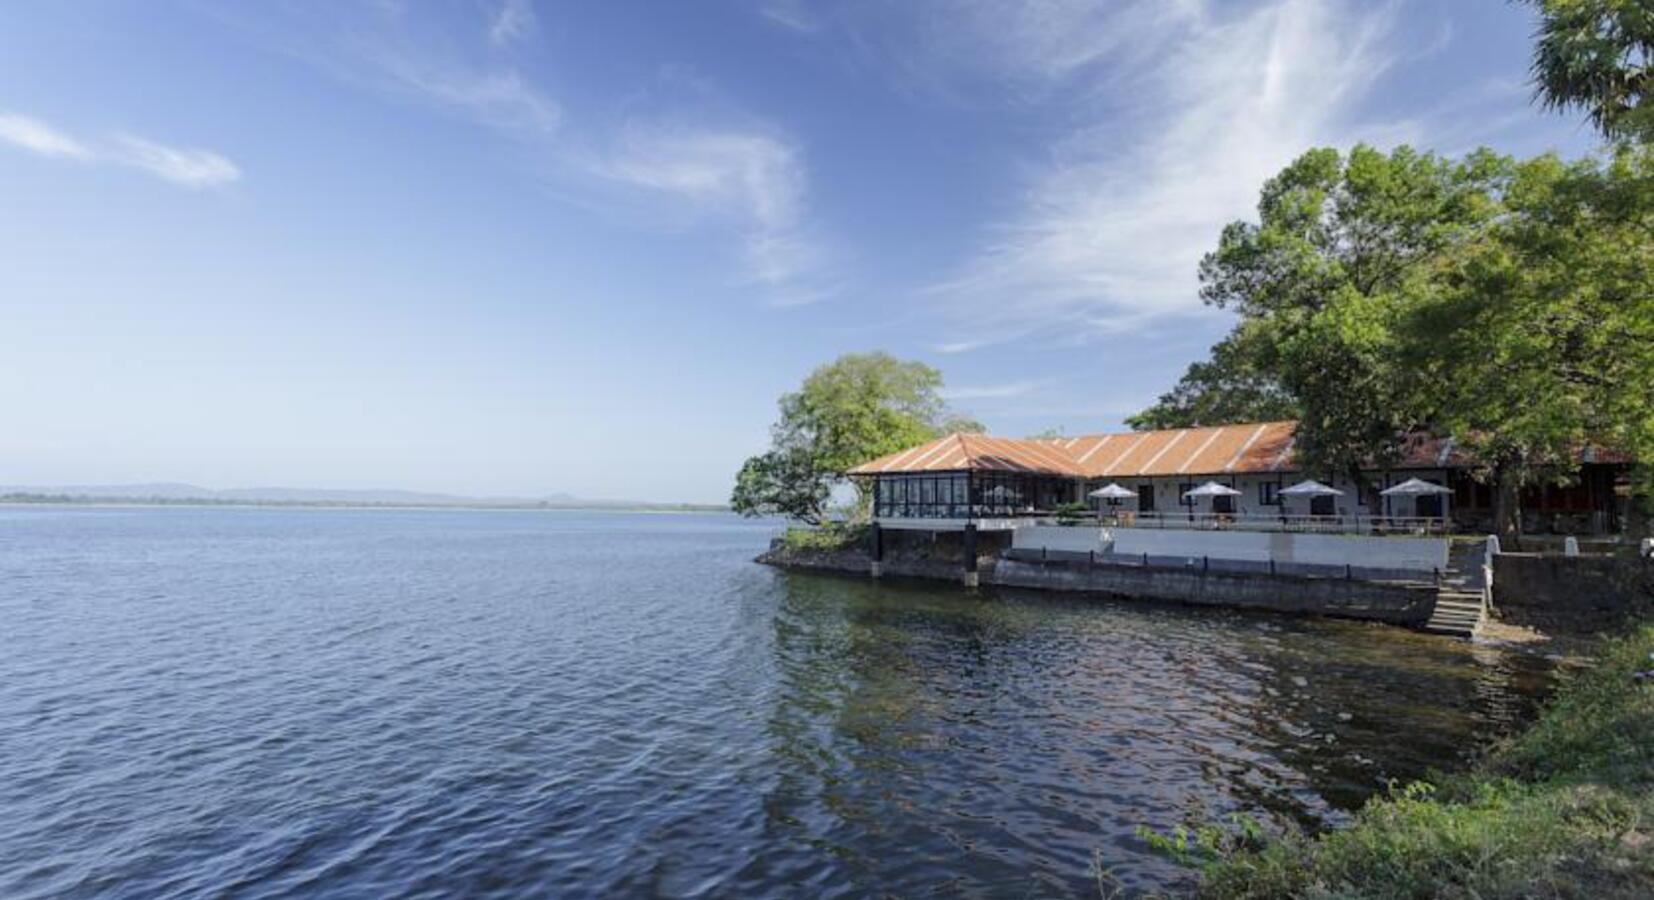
column 1269, row 494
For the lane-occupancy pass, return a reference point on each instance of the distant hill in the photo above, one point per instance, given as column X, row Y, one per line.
column 174, row 492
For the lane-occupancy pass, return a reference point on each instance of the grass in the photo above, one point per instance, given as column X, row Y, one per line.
column 1566, row 809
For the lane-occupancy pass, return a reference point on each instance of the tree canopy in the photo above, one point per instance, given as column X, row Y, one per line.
column 856, row 408
column 1317, row 281
column 1508, row 304
column 1230, row 387
column 1538, row 339
column 1597, row 56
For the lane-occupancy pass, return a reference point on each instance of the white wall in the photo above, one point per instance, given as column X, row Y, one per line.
column 1417, row 554
column 1078, row 539
column 1410, row 553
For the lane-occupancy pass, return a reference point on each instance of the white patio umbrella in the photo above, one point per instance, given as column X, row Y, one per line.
column 1311, row 488
column 1414, row 487
column 1211, row 489
column 1111, row 494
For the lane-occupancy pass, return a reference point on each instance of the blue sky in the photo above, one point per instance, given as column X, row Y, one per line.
column 513, row 247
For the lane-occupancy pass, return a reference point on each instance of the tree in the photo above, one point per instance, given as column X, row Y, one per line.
column 1598, row 56
column 1229, row 388
column 957, row 423
column 857, row 408
column 1319, row 282
column 782, row 482
column 1539, row 336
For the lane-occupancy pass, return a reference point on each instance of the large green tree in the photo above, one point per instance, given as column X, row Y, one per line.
column 856, row 408
column 1230, row 387
column 1538, row 338
column 1319, row 282
column 1597, row 56
column 1510, row 305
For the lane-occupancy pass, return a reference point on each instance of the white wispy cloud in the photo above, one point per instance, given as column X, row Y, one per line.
column 953, row 347
column 678, row 152
column 990, row 391
column 38, row 137
column 1047, row 40
column 512, row 21
column 498, row 98
column 755, row 181
column 791, row 14
column 193, row 168
column 1206, row 106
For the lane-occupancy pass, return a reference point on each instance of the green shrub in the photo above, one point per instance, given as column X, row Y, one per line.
column 1071, row 513
column 828, row 538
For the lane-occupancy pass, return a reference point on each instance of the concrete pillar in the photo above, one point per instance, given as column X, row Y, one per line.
column 875, row 550
column 972, row 577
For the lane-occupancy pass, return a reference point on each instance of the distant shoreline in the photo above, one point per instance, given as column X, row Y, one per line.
column 22, row 500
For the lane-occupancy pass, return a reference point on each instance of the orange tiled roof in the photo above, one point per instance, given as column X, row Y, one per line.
column 1219, row 450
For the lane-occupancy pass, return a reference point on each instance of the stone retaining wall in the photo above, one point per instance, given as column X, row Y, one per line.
column 1581, row 594
column 1395, row 603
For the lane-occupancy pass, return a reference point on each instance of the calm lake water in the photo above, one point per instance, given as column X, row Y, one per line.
column 263, row 702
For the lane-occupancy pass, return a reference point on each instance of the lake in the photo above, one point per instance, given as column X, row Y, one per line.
column 261, row 702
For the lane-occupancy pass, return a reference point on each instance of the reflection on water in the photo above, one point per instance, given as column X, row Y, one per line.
column 1007, row 738
column 371, row 703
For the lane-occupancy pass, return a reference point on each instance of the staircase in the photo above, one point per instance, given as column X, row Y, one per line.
column 1464, row 592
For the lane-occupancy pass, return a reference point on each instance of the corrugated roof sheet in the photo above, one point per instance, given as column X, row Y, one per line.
column 974, row 452
column 1179, row 451
column 1228, row 449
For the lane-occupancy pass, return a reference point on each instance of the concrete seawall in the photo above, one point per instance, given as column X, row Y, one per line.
column 1399, row 604
column 1395, row 603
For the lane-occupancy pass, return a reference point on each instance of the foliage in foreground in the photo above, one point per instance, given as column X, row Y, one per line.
column 1564, row 810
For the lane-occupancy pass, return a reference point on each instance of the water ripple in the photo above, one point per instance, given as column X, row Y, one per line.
column 260, row 703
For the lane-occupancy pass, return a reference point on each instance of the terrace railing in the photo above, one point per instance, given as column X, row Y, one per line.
column 1359, row 524
column 1210, row 564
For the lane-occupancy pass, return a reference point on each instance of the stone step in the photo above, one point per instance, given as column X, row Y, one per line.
column 1461, row 600
column 1445, row 615
column 1457, row 613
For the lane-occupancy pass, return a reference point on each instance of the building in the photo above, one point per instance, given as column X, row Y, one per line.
column 971, row 477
